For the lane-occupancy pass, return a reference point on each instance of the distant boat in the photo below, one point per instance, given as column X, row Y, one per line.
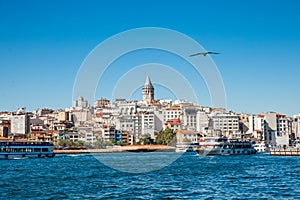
column 14, row 149
column 211, row 146
column 261, row 147
column 186, row 147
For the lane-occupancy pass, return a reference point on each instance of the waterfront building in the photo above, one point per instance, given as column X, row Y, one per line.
column 187, row 136
column 108, row 132
column 44, row 135
column 148, row 91
column 5, row 127
column 3, row 131
column 296, row 125
column 118, row 136
column 227, row 123
column 147, row 123
column 256, row 125
column 276, row 129
column 87, row 134
column 74, row 136
column 202, row 121
column 127, row 138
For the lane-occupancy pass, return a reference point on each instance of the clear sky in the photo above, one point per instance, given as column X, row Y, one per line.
column 43, row 43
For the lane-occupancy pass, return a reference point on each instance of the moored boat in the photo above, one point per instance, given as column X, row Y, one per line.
column 261, row 147
column 224, row 146
column 186, row 147
column 26, row 149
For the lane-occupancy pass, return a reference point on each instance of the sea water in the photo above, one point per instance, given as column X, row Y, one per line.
column 257, row 176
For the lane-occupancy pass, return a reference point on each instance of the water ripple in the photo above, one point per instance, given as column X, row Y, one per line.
column 190, row 177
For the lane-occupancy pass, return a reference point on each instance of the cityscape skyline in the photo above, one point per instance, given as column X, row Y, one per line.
column 259, row 46
column 146, row 95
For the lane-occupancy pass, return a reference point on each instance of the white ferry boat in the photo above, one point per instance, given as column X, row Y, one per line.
column 186, row 147
column 224, row 146
column 15, row 149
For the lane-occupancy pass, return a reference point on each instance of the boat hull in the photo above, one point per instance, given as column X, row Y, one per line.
column 222, row 151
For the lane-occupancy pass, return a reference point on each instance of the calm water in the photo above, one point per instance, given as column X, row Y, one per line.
column 190, row 177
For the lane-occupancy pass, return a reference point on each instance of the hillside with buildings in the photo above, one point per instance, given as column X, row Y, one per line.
column 126, row 122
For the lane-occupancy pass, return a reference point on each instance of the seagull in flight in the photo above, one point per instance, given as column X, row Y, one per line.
column 204, row 53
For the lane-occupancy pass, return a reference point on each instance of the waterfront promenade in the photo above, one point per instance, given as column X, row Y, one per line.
column 285, row 152
column 130, row 148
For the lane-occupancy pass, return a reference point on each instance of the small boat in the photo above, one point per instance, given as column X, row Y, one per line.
column 261, row 147
column 224, row 146
column 13, row 149
column 186, row 147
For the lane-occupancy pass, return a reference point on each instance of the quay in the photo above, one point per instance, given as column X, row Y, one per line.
column 285, row 152
column 130, row 148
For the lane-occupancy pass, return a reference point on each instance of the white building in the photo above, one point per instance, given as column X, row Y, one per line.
column 81, row 116
column 87, row 134
column 171, row 112
column 227, row 123
column 276, row 129
column 147, row 124
column 202, row 122
column 187, row 136
column 125, row 123
column 108, row 133
column 80, row 103
column 20, row 124
column 296, row 125
column 189, row 118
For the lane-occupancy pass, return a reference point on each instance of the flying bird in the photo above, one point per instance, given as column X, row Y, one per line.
column 204, row 53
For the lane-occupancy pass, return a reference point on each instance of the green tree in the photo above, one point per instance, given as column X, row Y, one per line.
column 166, row 137
column 146, row 139
column 101, row 144
column 64, row 143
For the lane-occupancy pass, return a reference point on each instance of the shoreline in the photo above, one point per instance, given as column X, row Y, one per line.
column 131, row 148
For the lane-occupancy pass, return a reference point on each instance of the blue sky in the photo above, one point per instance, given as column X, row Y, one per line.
column 43, row 43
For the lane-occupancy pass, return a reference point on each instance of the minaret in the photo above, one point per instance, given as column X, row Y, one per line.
column 148, row 91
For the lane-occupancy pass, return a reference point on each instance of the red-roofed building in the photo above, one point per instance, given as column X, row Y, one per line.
column 174, row 124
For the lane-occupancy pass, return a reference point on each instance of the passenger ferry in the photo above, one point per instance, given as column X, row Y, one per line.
column 186, row 147
column 224, row 146
column 16, row 149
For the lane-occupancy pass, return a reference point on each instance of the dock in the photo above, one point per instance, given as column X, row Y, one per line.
column 285, row 152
